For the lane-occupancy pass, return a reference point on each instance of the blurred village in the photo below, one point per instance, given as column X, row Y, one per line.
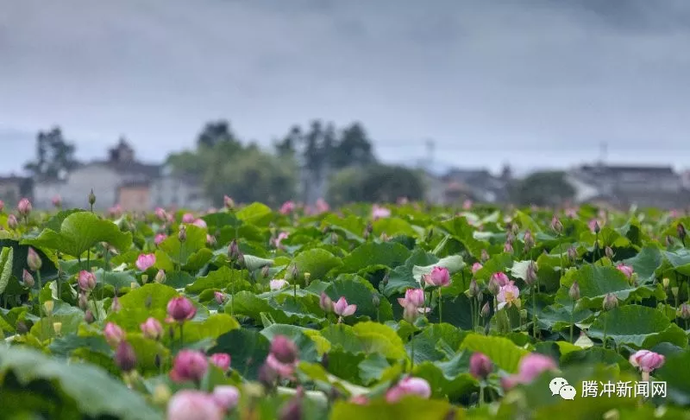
column 312, row 163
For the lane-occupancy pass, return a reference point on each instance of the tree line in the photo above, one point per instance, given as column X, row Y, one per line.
column 316, row 161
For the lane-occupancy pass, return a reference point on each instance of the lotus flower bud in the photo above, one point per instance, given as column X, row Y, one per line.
column 572, row 254
column 181, row 309
column 484, row 256
column 228, row 202
column 531, row 274
column 684, row 311
column 226, row 396
column 28, row 279
column 283, row 349
column 610, row 301
column 88, row 317
column 2, row 206
column 152, row 329
column 115, row 305
column 57, row 327
column 267, row 376
column 529, row 240
column 294, row 273
column 480, row 366
column 681, row 231
column 608, row 252
column 160, row 277
column 33, row 260
column 83, row 301
column 556, row 225
column 674, row 291
column 113, row 334
column 24, row 207
column 665, row 282
column 325, row 303
column 473, row 289
column 486, row 310
column 221, row 360
column 182, row 234
column 646, row 360
column 189, row 365
column 12, row 222
column 494, row 287
column 92, row 198
column 292, row 410
column 574, row 291
column 307, row 277
column 508, row 247
column 86, row 280
column 125, row 357
column 375, row 300
column 220, row 297
column 265, row 271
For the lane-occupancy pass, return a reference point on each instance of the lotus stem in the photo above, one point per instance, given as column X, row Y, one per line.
column 440, row 306
column 572, row 321
column 534, row 312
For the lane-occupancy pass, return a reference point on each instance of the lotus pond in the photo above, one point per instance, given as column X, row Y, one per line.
column 402, row 312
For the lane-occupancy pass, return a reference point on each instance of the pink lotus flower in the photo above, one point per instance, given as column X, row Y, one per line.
column 115, row 211
column 28, row 279
column 500, row 278
column 646, row 360
column 287, row 207
column 33, row 260
column 24, row 207
column 189, row 365
column 594, row 225
column 57, row 201
column 325, row 303
column 476, row 267
column 152, row 329
column 508, row 295
column 359, row 400
column 113, row 334
column 529, row 369
column 480, row 365
column 221, row 360
column 625, row 269
column 188, row 218
column 467, row 205
column 571, row 212
column 341, row 308
column 284, row 370
column 145, row 261
column 409, row 386
column 160, row 238
column 12, row 222
column 86, row 280
column 281, row 236
column 226, row 396
column 413, row 297
column 189, row 404
column 379, row 212
column 181, row 309
column 199, row 223
column 322, row 206
column 2, row 206
column 161, row 214
column 439, row 277
column 283, row 349
column 210, row 240
column 278, row 284
column 220, row 297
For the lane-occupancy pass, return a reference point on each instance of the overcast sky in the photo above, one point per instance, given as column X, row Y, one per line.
column 537, row 83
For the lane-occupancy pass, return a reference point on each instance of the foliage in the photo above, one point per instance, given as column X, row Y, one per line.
column 54, row 156
column 59, row 361
column 377, row 183
column 542, row 189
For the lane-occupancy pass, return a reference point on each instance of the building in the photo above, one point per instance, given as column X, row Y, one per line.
column 14, row 188
column 624, row 186
column 477, row 184
column 123, row 180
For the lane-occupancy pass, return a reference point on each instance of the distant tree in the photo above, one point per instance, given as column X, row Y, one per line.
column 542, row 189
column 54, row 156
column 216, row 132
column 375, row 183
column 289, row 144
column 353, row 148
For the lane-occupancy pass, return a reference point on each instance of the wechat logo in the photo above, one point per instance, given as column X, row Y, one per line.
column 559, row 386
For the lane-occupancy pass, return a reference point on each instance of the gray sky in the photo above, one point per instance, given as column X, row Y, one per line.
column 538, row 83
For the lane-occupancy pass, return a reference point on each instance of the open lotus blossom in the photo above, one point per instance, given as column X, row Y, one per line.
column 476, row 267
column 221, row 360
column 190, row 404
column 278, row 284
column 189, row 365
column 145, row 261
column 529, row 369
column 279, row 238
column 226, row 396
column 439, row 277
column 625, row 269
column 322, row 206
column 188, row 218
column 413, row 297
column 500, row 278
column 160, row 238
column 409, row 386
column 508, row 295
column 378, row 212
column 341, row 308
column 646, row 360
column 287, row 207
